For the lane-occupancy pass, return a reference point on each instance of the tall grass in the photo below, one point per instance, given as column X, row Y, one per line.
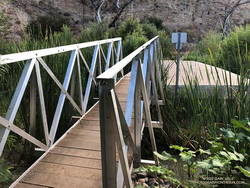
column 200, row 111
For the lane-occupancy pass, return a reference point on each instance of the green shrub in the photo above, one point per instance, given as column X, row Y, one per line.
column 132, row 42
column 94, row 32
column 156, row 21
column 5, row 173
column 227, row 155
column 150, row 30
column 45, row 25
column 113, row 32
column 3, row 23
column 167, row 47
column 236, row 50
column 130, row 26
column 209, row 46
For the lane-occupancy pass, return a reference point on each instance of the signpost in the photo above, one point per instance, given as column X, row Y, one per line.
column 178, row 38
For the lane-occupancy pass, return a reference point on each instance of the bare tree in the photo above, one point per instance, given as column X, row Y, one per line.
column 120, row 11
column 229, row 7
column 120, row 7
column 97, row 5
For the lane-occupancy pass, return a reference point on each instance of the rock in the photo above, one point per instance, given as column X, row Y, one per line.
column 152, row 182
column 66, row 14
column 142, row 180
column 137, row 183
column 161, row 181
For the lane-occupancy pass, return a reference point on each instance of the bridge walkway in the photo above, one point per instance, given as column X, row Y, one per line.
column 75, row 159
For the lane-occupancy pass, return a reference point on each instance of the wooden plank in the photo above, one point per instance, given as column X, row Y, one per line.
column 73, row 161
column 62, row 181
column 85, row 122
column 92, row 118
column 86, row 133
column 46, row 153
column 82, row 144
column 63, row 170
column 77, row 152
column 81, row 138
column 94, row 113
column 89, row 127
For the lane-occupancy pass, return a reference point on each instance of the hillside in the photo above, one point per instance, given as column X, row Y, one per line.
column 194, row 16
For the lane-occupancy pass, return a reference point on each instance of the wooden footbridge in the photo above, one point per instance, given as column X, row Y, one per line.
column 103, row 146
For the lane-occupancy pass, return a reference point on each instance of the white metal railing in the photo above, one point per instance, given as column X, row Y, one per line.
column 115, row 126
column 31, row 72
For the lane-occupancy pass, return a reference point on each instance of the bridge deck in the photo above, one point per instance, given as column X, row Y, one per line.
column 75, row 160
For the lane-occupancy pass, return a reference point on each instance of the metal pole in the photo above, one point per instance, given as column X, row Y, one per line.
column 177, row 65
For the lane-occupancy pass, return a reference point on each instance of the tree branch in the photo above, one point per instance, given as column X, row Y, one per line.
column 118, row 15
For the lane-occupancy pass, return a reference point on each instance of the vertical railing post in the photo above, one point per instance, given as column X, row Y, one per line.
column 119, row 54
column 90, row 78
column 109, row 54
column 107, row 128
column 100, row 61
column 80, row 80
column 137, row 123
column 118, row 51
column 158, row 65
column 60, row 103
column 73, row 83
column 33, row 88
column 32, row 118
column 42, row 103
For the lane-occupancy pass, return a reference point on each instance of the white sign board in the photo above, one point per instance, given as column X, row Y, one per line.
column 182, row 35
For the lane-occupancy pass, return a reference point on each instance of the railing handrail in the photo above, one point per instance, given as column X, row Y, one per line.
column 22, row 56
column 114, row 70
